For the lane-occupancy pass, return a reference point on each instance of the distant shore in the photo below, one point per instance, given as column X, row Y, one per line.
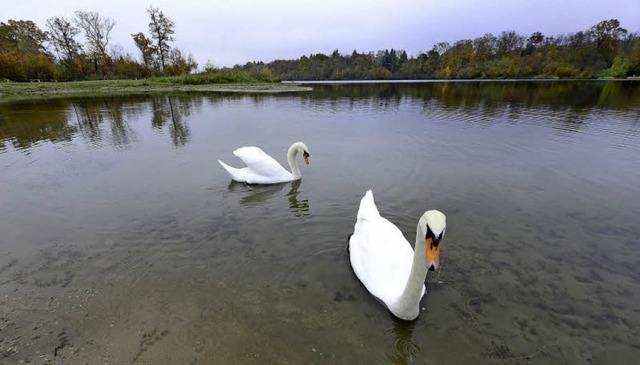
column 10, row 91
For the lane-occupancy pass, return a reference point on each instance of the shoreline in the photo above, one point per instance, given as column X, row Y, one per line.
column 433, row 81
column 11, row 91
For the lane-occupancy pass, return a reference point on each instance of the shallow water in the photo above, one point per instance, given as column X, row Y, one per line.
column 123, row 241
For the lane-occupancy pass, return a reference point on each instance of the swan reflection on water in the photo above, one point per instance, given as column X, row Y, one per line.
column 260, row 194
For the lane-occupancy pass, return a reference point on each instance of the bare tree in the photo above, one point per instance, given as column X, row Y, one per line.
column 96, row 30
column 61, row 36
column 161, row 29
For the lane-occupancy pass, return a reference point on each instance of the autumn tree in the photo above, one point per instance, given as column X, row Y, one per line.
column 627, row 62
column 509, row 42
column 634, row 59
column 607, row 35
column 23, row 55
column 485, row 47
column 533, row 42
column 22, row 36
column 179, row 64
column 62, row 37
column 147, row 49
column 97, row 31
column 457, row 61
column 162, row 29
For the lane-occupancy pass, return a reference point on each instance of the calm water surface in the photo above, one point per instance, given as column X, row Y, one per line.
column 123, row 241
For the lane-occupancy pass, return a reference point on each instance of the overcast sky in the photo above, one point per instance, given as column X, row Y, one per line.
column 228, row 32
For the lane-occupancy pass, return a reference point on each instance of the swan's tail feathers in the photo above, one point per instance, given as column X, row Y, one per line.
column 368, row 209
column 230, row 170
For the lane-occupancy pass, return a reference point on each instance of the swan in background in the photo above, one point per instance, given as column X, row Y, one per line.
column 263, row 169
column 386, row 264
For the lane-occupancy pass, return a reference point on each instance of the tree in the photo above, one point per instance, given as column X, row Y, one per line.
column 148, row 50
column 161, row 29
column 96, row 31
column 22, row 36
column 485, row 47
column 634, row 59
column 457, row 61
column 179, row 64
column 607, row 35
column 22, row 52
column 533, row 42
column 61, row 36
column 509, row 43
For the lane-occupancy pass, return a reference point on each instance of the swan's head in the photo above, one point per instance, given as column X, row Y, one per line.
column 434, row 224
column 302, row 148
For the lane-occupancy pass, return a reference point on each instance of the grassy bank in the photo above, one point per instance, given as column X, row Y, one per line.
column 217, row 81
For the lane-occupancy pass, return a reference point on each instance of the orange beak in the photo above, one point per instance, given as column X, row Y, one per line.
column 306, row 158
column 433, row 255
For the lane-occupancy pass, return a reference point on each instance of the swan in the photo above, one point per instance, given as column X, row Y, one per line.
column 263, row 169
column 385, row 263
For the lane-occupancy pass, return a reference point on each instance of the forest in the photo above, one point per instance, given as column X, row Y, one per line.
column 29, row 53
column 604, row 50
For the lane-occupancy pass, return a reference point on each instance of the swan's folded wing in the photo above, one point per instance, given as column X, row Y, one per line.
column 381, row 258
column 259, row 162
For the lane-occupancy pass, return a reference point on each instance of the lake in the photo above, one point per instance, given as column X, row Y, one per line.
column 122, row 240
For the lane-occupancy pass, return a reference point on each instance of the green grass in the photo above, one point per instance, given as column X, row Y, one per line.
column 214, row 81
column 223, row 77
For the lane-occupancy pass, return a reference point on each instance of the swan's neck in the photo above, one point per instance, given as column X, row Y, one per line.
column 410, row 298
column 293, row 163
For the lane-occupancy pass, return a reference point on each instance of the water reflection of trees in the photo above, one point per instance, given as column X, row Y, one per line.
column 166, row 111
column 27, row 123
column 483, row 101
column 90, row 114
column 617, row 95
column 171, row 111
column 565, row 105
column 98, row 120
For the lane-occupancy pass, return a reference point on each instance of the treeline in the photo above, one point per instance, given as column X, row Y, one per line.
column 604, row 50
column 28, row 52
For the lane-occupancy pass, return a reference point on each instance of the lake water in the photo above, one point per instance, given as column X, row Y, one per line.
column 123, row 241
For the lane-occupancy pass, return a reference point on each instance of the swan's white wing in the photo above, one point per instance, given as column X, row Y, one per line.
column 380, row 255
column 261, row 168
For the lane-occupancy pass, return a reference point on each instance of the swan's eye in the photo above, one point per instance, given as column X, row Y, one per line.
column 306, row 154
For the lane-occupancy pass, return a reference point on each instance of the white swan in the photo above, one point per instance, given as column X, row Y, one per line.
column 263, row 169
column 385, row 263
